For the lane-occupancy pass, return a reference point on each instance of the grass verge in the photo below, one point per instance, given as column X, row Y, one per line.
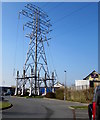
column 26, row 96
column 34, row 97
column 79, row 107
column 4, row 105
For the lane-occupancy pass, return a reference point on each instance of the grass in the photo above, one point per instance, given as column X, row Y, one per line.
column 26, row 96
column 4, row 104
column 79, row 107
column 30, row 96
column 34, row 97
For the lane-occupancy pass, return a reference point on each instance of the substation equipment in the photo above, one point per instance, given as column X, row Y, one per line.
column 35, row 70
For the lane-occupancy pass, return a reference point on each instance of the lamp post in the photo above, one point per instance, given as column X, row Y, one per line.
column 65, row 87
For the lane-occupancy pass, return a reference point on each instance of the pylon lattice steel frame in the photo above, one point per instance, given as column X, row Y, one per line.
column 36, row 58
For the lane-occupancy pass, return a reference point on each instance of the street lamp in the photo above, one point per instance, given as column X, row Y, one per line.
column 65, row 87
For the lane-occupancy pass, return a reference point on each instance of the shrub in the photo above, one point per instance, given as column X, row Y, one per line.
column 84, row 96
column 80, row 95
column 60, row 93
column 27, row 93
column 50, row 95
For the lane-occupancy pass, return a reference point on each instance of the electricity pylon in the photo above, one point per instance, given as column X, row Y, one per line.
column 36, row 62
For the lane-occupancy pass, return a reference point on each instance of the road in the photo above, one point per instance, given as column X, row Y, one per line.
column 41, row 108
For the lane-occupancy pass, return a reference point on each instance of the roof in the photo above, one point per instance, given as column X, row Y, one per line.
column 58, row 84
column 5, row 86
column 93, row 73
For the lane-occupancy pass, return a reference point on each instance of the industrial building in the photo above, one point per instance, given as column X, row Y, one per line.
column 57, row 85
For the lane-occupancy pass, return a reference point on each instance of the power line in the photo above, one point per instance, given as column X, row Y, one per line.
column 15, row 54
column 54, row 7
column 45, row 5
column 82, row 26
column 75, row 11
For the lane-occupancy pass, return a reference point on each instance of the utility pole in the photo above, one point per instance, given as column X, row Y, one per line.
column 65, row 87
column 36, row 55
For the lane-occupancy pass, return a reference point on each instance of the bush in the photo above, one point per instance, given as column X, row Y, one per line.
column 60, row 93
column 50, row 95
column 83, row 96
column 26, row 94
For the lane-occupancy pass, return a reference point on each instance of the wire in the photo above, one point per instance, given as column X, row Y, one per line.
column 81, row 26
column 45, row 5
column 54, row 7
column 54, row 69
column 23, row 46
column 15, row 49
column 75, row 11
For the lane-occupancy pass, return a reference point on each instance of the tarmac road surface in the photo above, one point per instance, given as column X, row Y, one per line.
column 41, row 108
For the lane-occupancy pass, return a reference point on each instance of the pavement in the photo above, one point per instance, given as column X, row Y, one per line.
column 42, row 108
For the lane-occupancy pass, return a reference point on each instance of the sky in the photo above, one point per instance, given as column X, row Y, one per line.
column 74, row 43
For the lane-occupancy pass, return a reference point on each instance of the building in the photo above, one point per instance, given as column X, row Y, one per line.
column 82, row 84
column 91, row 80
column 58, row 85
column 49, row 89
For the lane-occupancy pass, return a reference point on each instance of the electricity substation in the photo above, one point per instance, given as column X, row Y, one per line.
column 35, row 70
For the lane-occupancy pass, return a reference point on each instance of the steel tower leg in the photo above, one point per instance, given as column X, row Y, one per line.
column 38, row 85
column 45, row 84
column 16, row 90
column 23, row 84
column 22, row 93
column 31, row 82
column 53, row 82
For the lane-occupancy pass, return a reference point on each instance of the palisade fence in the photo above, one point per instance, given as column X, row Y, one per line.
column 82, row 87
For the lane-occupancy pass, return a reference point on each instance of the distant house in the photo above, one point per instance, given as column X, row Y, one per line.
column 58, row 85
column 49, row 89
column 91, row 80
column 94, row 79
column 93, row 76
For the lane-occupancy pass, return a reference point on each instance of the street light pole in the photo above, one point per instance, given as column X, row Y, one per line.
column 65, row 87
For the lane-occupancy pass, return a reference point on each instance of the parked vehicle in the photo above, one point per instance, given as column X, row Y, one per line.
column 1, row 98
column 94, row 108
